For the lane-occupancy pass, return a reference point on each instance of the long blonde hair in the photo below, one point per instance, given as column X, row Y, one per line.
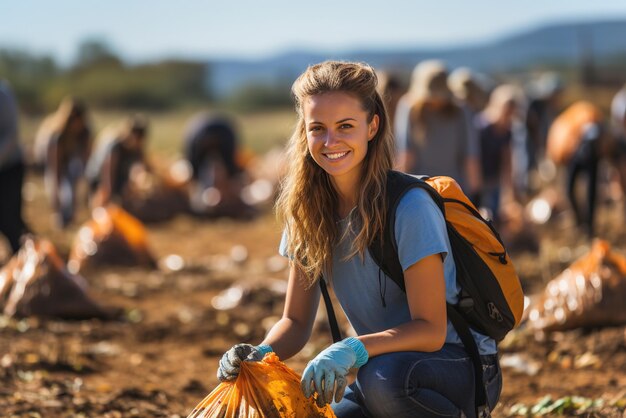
column 307, row 203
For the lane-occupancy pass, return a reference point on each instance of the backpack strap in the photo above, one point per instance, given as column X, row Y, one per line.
column 384, row 249
column 330, row 312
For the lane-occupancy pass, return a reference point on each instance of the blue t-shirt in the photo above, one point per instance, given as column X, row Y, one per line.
column 420, row 231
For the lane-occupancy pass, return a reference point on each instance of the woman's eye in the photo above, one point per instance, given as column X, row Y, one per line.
column 345, row 126
column 315, row 128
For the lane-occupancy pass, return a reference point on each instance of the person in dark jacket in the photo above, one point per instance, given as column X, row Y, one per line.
column 12, row 224
column 211, row 146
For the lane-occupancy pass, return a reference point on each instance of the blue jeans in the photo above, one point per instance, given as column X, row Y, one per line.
column 415, row 384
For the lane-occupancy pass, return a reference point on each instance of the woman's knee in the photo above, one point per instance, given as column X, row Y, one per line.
column 382, row 378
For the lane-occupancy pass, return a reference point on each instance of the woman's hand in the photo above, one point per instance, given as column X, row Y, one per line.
column 231, row 360
column 326, row 373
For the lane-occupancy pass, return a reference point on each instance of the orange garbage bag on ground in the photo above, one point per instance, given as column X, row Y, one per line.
column 590, row 293
column 263, row 389
column 111, row 237
column 36, row 283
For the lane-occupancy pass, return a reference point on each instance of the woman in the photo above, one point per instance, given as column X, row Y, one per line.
column 410, row 361
column 66, row 139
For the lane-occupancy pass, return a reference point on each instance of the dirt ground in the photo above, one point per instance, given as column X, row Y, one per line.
column 160, row 360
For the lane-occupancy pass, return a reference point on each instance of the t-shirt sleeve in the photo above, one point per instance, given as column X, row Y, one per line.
column 420, row 228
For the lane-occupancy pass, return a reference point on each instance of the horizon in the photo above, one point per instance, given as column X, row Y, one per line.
column 179, row 32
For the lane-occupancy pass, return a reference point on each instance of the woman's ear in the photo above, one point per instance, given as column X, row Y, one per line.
column 372, row 129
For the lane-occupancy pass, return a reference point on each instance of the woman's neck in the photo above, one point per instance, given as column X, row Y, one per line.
column 345, row 209
column 347, row 196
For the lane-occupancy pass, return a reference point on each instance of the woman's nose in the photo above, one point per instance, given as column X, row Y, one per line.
column 330, row 139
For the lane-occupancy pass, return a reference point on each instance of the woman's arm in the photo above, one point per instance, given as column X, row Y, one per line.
column 426, row 294
column 293, row 330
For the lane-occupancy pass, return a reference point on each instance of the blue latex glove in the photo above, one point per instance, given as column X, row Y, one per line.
column 231, row 360
column 326, row 373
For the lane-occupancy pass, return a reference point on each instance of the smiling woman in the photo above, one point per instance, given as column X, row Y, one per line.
column 333, row 204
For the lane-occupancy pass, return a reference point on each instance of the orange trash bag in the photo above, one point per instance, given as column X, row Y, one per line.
column 590, row 293
column 263, row 389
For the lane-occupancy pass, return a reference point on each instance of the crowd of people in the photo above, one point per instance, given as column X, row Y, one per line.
column 491, row 138
column 67, row 152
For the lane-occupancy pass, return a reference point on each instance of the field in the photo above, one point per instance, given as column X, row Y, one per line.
column 161, row 358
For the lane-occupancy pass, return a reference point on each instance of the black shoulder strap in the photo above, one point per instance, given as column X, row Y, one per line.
column 330, row 312
column 384, row 250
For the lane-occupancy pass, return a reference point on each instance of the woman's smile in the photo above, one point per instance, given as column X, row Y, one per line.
column 335, row 156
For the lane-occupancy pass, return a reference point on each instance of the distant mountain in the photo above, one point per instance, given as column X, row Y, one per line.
column 563, row 43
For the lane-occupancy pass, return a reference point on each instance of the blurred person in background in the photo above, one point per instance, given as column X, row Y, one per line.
column 468, row 89
column 495, row 130
column 544, row 105
column 211, row 147
column 12, row 225
column 118, row 159
column 64, row 143
column 578, row 139
column 391, row 89
column 585, row 161
column 433, row 132
column 618, row 124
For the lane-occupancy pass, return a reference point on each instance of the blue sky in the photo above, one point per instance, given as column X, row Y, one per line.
column 144, row 30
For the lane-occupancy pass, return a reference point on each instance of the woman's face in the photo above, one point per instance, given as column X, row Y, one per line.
column 338, row 133
column 135, row 141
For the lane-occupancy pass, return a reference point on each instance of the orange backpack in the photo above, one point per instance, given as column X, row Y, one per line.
column 491, row 297
column 491, row 300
